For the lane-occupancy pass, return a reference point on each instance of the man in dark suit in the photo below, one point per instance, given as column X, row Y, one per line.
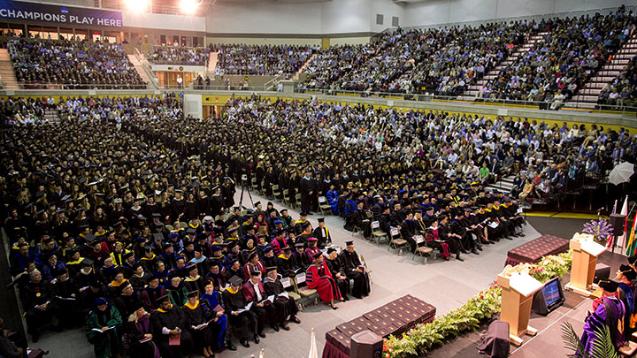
column 307, row 192
column 254, row 291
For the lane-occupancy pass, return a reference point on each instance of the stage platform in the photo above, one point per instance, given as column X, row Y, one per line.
column 548, row 341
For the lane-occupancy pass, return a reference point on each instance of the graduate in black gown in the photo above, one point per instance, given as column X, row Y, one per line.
column 244, row 323
column 284, row 305
column 200, row 322
column 355, row 270
column 170, row 323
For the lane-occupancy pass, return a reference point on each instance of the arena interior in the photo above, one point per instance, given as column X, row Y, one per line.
column 335, row 178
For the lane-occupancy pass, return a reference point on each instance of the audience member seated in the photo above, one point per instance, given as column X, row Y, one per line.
column 72, row 63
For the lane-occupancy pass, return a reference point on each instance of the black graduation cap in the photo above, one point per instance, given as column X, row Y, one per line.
column 124, row 285
column 305, row 225
column 136, row 304
column 252, row 255
column 321, row 220
column 303, row 213
column 191, row 267
column 608, row 286
column 349, row 243
column 299, row 245
column 632, row 259
column 267, row 249
column 270, row 268
column 235, row 281
column 129, row 254
column 194, row 293
column 162, row 299
column 318, row 254
column 87, row 262
column 255, row 272
column 257, row 204
column 213, row 262
column 330, row 250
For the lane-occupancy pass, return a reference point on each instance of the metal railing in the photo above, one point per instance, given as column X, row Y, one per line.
column 424, row 97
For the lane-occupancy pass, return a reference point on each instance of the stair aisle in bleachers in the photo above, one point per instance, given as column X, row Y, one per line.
column 474, row 90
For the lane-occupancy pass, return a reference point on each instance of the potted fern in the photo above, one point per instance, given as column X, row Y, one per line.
column 603, row 346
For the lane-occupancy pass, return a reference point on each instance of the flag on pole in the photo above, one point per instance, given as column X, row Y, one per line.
column 615, row 207
column 313, row 350
column 631, row 247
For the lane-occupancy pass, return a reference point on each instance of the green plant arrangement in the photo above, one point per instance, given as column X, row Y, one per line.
column 470, row 316
column 602, row 345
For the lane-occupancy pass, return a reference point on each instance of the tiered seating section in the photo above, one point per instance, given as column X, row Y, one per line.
column 175, row 55
column 260, row 60
column 564, row 54
column 40, row 63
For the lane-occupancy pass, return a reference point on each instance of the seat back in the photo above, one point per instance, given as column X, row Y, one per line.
column 375, row 225
column 394, row 232
column 322, row 200
column 419, row 239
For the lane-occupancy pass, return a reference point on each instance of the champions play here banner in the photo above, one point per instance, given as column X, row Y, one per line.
column 59, row 14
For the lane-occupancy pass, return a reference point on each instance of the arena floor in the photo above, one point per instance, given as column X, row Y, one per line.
column 446, row 285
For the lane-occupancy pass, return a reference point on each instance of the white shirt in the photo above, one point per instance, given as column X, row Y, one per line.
column 257, row 291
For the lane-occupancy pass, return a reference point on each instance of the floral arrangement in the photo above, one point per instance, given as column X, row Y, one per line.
column 478, row 310
column 600, row 229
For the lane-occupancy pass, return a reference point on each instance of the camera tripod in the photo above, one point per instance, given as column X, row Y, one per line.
column 245, row 188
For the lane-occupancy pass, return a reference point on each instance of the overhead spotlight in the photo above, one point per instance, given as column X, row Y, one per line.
column 137, row 6
column 189, row 7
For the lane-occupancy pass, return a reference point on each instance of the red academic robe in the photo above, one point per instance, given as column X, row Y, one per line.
column 320, row 278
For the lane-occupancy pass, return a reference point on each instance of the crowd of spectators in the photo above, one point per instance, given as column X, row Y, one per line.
column 622, row 91
column 446, row 61
column 176, row 55
column 72, row 63
column 331, row 64
column 569, row 54
column 260, row 59
column 136, row 231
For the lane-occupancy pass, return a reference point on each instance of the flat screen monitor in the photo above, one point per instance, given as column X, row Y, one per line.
column 549, row 297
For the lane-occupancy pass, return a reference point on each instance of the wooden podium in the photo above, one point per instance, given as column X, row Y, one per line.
column 517, row 299
column 585, row 252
